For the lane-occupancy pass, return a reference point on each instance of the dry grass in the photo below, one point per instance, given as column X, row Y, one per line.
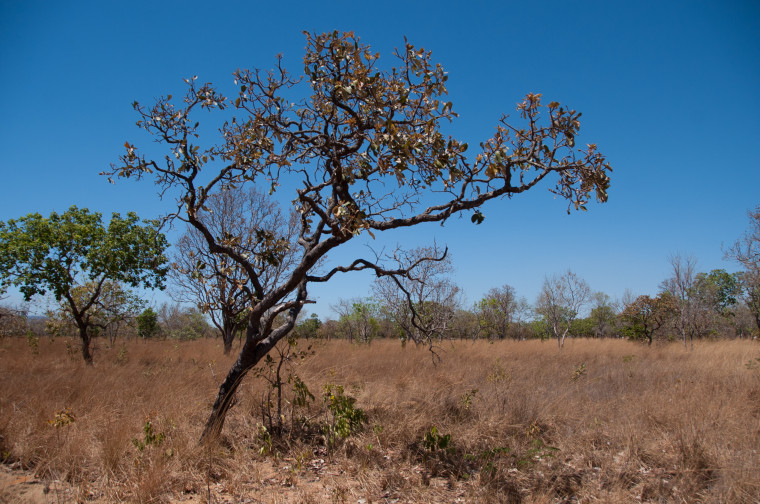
column 601, row 421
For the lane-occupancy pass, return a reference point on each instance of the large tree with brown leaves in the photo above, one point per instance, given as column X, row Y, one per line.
column 361, row 145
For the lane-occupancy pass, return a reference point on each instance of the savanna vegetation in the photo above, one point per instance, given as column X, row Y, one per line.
column 510, row 421
column 411, row 394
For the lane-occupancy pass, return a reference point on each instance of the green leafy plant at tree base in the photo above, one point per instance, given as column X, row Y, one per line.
column 434, row 440
column 150, row 438
column 277, row 372
column 344, row 417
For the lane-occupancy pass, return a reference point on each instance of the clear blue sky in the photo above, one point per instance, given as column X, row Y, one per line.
column 670, row 92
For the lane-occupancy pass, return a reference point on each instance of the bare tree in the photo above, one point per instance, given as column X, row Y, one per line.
column 212, row 281
column 681, row 286
column 13, row 320
column 423, row 303
column 364, row 151
column 746, row 251
column 561, row 299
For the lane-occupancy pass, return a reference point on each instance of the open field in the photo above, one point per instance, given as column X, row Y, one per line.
column 601, row 421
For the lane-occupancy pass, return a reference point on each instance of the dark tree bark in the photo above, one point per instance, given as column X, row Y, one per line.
column 254, row 349
column 85, row 337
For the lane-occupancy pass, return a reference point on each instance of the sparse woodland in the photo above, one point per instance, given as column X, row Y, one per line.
column 232, row 393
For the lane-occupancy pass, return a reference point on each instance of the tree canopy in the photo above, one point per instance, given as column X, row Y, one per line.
column 73, row 255
column 362, row 144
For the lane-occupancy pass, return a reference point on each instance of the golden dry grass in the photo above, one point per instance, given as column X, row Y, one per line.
column 601, row 421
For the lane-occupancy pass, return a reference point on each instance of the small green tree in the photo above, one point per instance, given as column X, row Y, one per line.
column 147, row 323
column 308, row 328
column 359, row 319
column 64, row 252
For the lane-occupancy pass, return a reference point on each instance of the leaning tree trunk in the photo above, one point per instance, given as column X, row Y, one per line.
column 253, row 351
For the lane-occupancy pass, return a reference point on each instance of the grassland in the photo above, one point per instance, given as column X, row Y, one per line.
column 600, row 421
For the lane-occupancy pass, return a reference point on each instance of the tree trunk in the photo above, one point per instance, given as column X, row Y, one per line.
column 254, row 349
column 561, row 338
column 228, row 336
column 250, row 355
column 85, row 345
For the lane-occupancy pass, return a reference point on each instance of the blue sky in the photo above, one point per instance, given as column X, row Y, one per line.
column 668, row 91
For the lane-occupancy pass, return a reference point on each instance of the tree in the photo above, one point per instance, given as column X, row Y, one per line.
column 645, row 315
column 603, row 314
column 464, row 325
column 74, row 256
column 363, row 150
column 690, row 315
column 13, row 321
column 212, row 280
column 561, row 299
column 501, row 313
column 308, row 328
column 495, row 311
column 746, row 251
column 147, row 323
column 421, row 304
column 720, row 289
column 182, row 322
column 358, row 319
column 113, row 307
column 716, row 294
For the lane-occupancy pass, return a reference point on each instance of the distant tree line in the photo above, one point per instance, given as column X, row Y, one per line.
column 689, row 305
column 709, row 305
